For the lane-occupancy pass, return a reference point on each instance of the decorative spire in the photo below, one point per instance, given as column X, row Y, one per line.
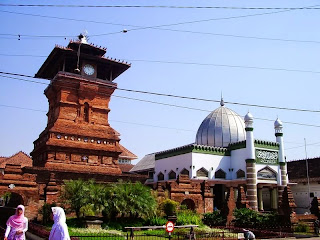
column 278, row 127
column 248, row 121
column 221, row 101
column 83, row 37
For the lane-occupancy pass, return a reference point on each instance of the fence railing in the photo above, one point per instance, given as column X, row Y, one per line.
column 174, row 236
column 267, row 231
column 133, row 233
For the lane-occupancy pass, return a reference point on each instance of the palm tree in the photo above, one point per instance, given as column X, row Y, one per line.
column 131, row 200
column 74, row 193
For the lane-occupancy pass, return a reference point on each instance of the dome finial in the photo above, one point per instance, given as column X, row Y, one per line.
column 221, row 101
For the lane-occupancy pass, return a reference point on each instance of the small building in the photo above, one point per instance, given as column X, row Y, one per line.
column 305, row 174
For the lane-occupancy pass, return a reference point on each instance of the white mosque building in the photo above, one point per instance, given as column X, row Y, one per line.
column 225, row 154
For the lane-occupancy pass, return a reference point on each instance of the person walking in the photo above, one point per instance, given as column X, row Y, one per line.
column 17, row 225
column 248, row 234
column 59, row 230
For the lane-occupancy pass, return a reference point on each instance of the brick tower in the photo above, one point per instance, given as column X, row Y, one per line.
column 78, row 135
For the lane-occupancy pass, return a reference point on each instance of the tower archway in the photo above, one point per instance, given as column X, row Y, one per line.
column 189, row 203
column 14, row 200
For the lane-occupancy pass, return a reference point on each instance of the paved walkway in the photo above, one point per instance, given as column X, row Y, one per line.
column 291, row 238
column 31, row 236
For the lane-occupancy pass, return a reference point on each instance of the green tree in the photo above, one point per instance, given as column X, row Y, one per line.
column 128, row 199
column 95, row 198
column 74, row 193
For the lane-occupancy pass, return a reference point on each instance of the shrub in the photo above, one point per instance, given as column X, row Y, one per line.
column 214, row 219
column 46, row 212
column 121, row 223
column 302, row 227
column 249, row 218
column 187, row 217
column 169, row 207
column 246, row 217
column 156, row 221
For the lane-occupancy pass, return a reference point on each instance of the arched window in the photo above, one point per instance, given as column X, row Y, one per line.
column 220, row 174
column 267, row 173
column 241, row 174
column 86, row 112
column 160, row 176
column 172, row 175
column 184, row 172
column 202, row 172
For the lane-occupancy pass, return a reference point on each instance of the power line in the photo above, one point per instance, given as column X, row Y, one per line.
column 158, row 6
column 165, row 104
column 303, row 145
column 28, row 36
column 159, row 27
column 177, row 96
column 148, row 125
column 22, row 108
column 190, row 63
column 224, row 65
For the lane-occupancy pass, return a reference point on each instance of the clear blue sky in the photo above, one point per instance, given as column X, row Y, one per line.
column 232, row 49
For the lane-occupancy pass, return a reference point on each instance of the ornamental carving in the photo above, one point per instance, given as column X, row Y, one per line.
column 267, row 156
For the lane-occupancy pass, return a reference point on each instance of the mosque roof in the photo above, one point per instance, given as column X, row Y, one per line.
column 221, row 127
column 147, row 162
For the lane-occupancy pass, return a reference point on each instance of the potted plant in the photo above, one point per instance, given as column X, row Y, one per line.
column 169, row 207
column 90, row 217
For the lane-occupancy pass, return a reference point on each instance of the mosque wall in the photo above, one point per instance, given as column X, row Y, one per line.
column 211, row 163
column 174, row 163
column 238, row 162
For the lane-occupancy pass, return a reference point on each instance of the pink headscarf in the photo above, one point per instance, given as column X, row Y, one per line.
column 16, row 221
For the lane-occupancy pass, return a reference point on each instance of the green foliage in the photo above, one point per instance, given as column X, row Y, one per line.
column 214, row 219
column 169, row 207
column 302, row 227
column 46, row 213
column 121, row 223
column 6, row 197
column 74, row 223
column 156, row 221
column 183, row 207
column 87, row 210
column 247, row 217
column 188, row 217
column 74, row 193
column 126, row 199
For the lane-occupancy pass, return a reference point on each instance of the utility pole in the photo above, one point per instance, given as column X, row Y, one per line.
column 307, row 168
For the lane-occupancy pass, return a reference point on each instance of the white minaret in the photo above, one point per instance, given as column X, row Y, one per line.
column 251, row 163
column 282, row 162
column 283, row 180
column 248, row 120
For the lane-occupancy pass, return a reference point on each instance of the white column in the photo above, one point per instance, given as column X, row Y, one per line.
column 251, row 174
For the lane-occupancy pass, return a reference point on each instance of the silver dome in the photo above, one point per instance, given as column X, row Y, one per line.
column 221, row 127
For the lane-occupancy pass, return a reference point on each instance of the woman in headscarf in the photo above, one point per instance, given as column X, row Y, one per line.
column 59, row 229
column 17, row 225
